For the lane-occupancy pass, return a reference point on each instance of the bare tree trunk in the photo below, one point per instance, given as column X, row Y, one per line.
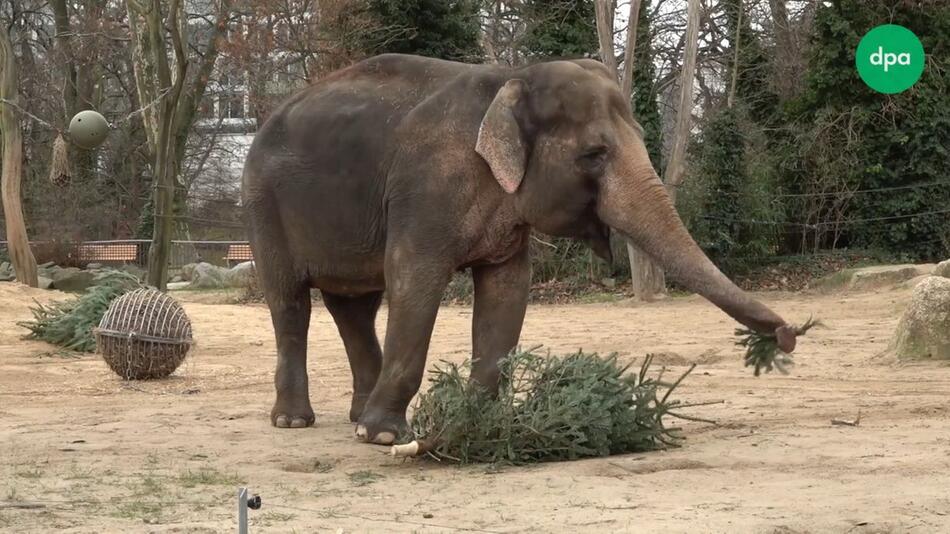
column 154, row 77
column 787, row 53
column 603, row 13
column 676, row 167
column 735, row 61
column 626, row 83
column 646, row 277
column 20, row 254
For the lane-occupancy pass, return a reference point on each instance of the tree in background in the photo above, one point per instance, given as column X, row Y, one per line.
column 446, row 29
column 731, row 178
column 848, row 138
column 644, row 100
column 171, row 100
column 559, row 28
column 11, row 175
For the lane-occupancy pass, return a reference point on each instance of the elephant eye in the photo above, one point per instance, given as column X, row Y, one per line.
column 593, row 159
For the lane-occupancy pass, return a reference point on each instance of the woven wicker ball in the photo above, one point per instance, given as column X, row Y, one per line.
column 144, row 334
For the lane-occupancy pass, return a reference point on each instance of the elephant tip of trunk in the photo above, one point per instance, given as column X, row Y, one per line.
column 786, row 336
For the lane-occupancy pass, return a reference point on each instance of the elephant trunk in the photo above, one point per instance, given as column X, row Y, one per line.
column 636, row 203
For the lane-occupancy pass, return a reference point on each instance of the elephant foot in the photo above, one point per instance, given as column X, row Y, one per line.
column 288, row 416
column 382, row 428
column 357, row 405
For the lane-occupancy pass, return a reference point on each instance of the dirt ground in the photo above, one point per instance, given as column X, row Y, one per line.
column 101, row 456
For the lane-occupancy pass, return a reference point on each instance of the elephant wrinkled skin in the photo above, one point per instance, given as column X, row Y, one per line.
column 395, row 172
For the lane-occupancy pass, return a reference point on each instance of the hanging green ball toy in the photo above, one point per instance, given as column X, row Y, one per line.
column 88, row 129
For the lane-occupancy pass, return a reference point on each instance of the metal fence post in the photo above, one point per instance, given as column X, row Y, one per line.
column 242, row 511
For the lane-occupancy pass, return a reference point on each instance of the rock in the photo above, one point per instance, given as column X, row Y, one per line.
column 870, row 277
column 187, row 272
column 47, row 265
column 175, row 286
column 6, row 272
column 241, row 275
column 924, row 330
column 609, row 283
column 942, row 269
column 207, row 276
column 72, row 279
column 5, row 266
column 93, row 266
column 175, row 279
column 44, row 282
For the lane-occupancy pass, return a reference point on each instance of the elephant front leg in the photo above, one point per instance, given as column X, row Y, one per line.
column 501, row 297
column 414, row 293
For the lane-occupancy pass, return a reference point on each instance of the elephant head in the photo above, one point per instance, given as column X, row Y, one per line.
column 560, row 138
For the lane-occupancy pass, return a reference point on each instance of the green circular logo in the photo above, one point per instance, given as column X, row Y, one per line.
column 890, row 58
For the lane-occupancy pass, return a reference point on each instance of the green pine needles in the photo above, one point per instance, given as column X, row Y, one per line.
column 547, row 409
column 69, row 324
column 762, row 349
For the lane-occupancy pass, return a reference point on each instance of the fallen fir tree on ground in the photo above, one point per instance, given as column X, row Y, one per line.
column 547, row 409
column 69, row 323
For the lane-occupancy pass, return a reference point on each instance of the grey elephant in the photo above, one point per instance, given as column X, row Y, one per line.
column 397, row 171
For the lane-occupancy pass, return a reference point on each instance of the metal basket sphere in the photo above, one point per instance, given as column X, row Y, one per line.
column 144, row 334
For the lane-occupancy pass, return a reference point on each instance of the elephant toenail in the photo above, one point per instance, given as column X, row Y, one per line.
column 385, row 438
column 361, row 432
column 298, row 422
column 281, row 422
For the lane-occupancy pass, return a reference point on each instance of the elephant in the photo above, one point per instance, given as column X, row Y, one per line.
column 391, row 174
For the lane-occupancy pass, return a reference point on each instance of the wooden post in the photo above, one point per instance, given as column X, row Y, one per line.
column 20, row 254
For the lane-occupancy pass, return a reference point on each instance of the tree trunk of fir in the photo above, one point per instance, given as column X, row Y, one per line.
column 18, row 243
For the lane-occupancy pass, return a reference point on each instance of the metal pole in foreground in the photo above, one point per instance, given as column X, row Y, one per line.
column 245, row 502
column 242, row 511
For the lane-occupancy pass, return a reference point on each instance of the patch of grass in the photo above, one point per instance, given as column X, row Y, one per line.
column 208, row 477
column 270, row 518
column 364, row 478
column 78, row 473
column 148, row 512
column 32, row 472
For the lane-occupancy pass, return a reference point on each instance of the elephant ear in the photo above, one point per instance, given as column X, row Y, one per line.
column 500, row 141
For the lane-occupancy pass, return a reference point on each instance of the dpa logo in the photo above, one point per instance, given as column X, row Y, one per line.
column 887, row 58
column 890, row 58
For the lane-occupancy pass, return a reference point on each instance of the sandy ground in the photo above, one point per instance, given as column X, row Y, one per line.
column 167, row 456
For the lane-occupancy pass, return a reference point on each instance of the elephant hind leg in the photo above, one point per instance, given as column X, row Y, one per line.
column 355, row 318
column 288, row 296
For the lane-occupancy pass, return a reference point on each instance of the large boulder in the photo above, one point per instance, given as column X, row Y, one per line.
column 943, row 269
column 6, row 272
column 187, row 272
column 870, row 277
column 241, row 275
column 44, row 282
column 72, row 279
column 924, row 330
column 208, row 276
